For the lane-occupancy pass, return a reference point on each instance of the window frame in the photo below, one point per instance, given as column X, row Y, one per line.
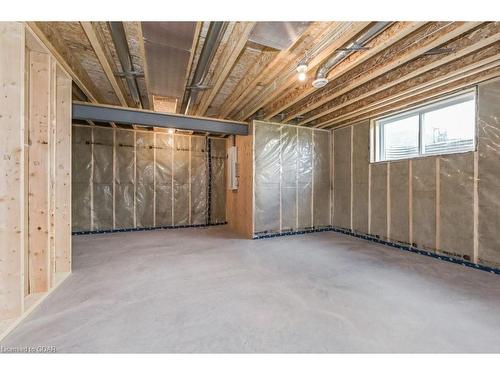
column 377, row 153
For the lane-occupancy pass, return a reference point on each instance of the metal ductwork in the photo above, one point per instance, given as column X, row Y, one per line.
column 123, row 52
column 212, row 40
column 342, row 53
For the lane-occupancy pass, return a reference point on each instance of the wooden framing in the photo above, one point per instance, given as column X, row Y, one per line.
column 233, row 47
column 342, row 32
column 393, row 34
column 461, row 47
column 425, row 38
column 101, row 55
column 448, row 73
column 35, row 193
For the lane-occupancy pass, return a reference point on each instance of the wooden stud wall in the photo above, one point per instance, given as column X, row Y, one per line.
column 35, row 189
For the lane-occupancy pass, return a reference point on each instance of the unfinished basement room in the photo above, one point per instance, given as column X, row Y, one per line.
column 250, row 187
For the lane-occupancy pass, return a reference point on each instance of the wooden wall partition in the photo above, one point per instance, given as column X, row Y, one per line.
column 35, row 162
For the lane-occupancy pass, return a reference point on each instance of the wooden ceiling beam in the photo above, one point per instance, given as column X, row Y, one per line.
column 387, row 38
column 450, row 82
column 63, row 56
column 274, row 89
column 429, row 36
column 232, row 50
column 279, row 61
column 475, row 41
column 134, row 28
column 103, row 60
column 192, row 53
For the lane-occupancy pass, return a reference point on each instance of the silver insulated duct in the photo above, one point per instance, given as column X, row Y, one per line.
column 342, row 53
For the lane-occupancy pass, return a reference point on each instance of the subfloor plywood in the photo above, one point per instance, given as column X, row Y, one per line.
column 191, row 290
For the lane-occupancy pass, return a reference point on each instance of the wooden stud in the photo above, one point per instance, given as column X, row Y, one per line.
column 103, row 59
column 344, row 34
column 38, row 203
column 387, row 38
column 233, row 48
column 12, row 204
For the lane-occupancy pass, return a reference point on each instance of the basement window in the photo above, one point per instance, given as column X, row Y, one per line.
column 443, row 127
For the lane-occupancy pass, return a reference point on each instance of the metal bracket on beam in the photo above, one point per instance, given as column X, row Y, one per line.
column 134, row 116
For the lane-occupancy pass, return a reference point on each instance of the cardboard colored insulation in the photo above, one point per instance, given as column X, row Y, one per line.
column 163, row 179
column 399, row 223
column 291, row 178
column 199, row 180
column 124, row 175
column 144, row 191
column 378, row 200
column 218, row 180
column 360, row 167
column 456, row 205
column 304, row 178
column 129, row 179
column 102, row 181
column 488, row 164
column 81, row 178
column 424, row 203
column 342, row 178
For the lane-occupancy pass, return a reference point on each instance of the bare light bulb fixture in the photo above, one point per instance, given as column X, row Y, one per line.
column 170, row 131
column 302, row 70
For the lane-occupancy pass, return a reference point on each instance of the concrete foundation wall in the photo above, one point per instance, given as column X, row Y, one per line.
column 448, row 204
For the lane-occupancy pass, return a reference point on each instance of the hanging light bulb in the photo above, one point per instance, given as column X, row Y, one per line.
column 301, row 70
column 170, row 131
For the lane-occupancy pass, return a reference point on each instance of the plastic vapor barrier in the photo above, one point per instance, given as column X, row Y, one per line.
column 218, row 178
column 126, row 179
column 81, row 178
column 199, row 182
column 292, row 178
column 164, row 182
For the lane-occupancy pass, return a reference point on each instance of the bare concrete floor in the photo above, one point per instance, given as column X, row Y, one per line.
column 203, row 290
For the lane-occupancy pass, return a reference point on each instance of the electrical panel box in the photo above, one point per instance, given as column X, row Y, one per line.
column 232, row 162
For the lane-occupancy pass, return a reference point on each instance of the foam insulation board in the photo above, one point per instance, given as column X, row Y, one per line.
column 360, row 166
column 342, row 177
column 488, row 134
column 399, row 201
column 424, row 202
column 378, row 199
column 456, row 208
